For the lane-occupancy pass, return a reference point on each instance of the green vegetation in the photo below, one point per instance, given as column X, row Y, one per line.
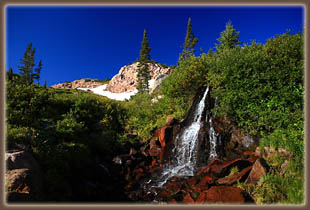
column 259, row 88
column 66, row 130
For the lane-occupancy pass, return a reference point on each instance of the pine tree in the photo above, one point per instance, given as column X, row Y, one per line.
column 27, row 64
column 145, row 49
column 189, row 44
column 10, row 74
column 27, row 73
column 37, row 72
column 229, row 38
column 143, row 76
column 45, row 84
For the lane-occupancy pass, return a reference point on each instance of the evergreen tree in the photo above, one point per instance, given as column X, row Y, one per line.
column 10, row 74
column 36, row 74
column 143, row 76
column 27, row 64
column 45, row 86
column 229, row 38
column 189, row 44
column 145, row 49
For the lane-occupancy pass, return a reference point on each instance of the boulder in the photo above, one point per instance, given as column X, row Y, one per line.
column 219, row 168
column 188, row 199
column 259, row 169
column 23, row 178
column 234, row 178
column 20, row 159
column 207, row 180
column 223, row 194
column 207, row 168
column 192, row 181
column 165, row 135
column 174, row 187
column 202, row 198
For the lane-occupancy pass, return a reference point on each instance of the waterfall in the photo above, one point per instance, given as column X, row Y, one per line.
column 213, row 138
column 185, row 150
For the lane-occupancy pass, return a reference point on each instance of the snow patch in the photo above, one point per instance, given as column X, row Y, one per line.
column 101, row 90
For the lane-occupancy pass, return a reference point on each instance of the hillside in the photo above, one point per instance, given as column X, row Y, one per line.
column 226, row 126
column 123, row 85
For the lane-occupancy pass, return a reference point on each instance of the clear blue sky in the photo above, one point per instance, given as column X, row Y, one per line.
column 95, row 42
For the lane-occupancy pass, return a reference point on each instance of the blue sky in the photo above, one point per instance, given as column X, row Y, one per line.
column 96, row 41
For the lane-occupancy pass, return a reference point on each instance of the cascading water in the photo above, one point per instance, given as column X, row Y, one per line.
column 213, row 138
column 185, row 150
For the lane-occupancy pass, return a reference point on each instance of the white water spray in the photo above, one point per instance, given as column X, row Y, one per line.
column 186, row 147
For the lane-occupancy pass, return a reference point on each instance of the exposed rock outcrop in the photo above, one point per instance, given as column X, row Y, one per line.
column 23, row 178
column 80, row 83
column 126, row 79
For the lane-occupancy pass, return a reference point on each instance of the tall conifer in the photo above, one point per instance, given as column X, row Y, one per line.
column 144, row 58
column 27, row 73
column 189, row 43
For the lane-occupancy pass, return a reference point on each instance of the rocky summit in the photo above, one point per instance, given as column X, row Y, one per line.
column 126, row 79
column 80, row 83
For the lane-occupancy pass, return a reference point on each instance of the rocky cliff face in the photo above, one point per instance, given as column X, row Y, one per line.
column 80, row 83
column 126, row 79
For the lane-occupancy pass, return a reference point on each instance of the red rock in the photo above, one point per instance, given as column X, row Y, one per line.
column 164, row 135
column 202, row 198
column 139, row 175
column 138, row 170
column 163, row 195
column 224, row 194
column 207, row 168
column 200, row 187
column 234, row 178
column 223, row 169
column 154, row 151
column 192, row 181
column 188, row 199
column 174, row 187
column 252, row 159
column 257, row 171
column 153, row 142
column 154, row 162
column 207, row 180
column 173, row 201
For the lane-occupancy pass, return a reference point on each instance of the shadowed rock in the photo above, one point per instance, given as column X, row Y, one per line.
column 259, row 169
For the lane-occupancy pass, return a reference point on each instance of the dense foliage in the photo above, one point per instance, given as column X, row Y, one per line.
column 259, row 88
column 67, row 130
